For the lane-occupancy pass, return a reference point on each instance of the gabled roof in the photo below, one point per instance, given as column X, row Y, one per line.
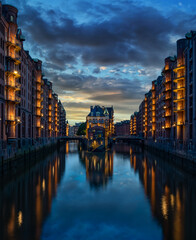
column 103, row 111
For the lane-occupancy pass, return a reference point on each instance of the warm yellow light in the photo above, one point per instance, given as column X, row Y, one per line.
column 20, row 218
column 15, row 72
column 43, row 185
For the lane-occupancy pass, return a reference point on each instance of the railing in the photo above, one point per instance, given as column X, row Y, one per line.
column 178, row 109
column 179, row 98
column 10, row 118
column 13, row 98
column 12, row 70
column 13, row 84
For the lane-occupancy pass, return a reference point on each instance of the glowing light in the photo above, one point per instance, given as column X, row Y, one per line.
column 164, row 207
column 172, row 200
column 43, row 185
column 20, row 218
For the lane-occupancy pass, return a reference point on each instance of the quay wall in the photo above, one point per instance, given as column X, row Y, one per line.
column 181, row 158
column 27, row 157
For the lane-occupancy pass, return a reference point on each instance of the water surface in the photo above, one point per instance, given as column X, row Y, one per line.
column 120, row 194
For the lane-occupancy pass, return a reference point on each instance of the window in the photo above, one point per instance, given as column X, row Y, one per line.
column 11, row 18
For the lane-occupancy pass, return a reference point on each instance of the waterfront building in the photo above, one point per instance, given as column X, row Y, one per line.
column 28, row 106
column 160, row 117
column 168, row 112
column 122, row 128
column 101, row 117
column 62, row 120
column 12, row 50
column 179, row 91
column 190, row 92
column 39, row 98
column 67, row 129
column 3, row 26
column 141, row 119
column 169, row 98
column 134, row 124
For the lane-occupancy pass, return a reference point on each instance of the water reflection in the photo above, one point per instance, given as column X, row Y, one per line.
column 26, row 201
column 99, row 167
column 146, row 197
column 172, row 195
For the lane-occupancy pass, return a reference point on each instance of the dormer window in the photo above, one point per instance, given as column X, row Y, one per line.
column 11, row 18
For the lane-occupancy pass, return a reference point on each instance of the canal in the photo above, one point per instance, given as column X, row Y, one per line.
column 124, row 193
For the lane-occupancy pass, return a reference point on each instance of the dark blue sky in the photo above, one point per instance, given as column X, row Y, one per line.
column 103, row 52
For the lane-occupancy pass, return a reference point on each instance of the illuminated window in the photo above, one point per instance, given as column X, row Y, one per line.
column 11, row 18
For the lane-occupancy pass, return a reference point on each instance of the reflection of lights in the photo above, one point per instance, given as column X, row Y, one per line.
column 131, row 151
column 43, row 185
column 172, row 199
column 20, row 218
column 53, row 171
column 164, row 207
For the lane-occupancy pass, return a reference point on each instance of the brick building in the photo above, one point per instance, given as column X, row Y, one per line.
column 28, row 106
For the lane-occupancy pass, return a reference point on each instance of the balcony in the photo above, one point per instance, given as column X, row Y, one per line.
column 12, row 41
column 179, row 78
column 15, row 99
column 180, row 123
column 168, row 114
column 38, row 87
column 10, row 118
column 39, row 97
column 39, row 106
column 179, row 88
column 167, row 80
column 12, row 71
column 179, row 99
column 167, row 98
column 179, row 109
column 181, row 67
column 15, row 58
column 167, row 89
column 12, row 84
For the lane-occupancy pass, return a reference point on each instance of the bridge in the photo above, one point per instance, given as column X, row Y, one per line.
column 128, row 138
column 113, row 139
column 79, row 138
column 84, row 141
column 73, row 138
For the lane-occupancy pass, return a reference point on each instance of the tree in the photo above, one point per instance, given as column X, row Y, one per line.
column 82, row 129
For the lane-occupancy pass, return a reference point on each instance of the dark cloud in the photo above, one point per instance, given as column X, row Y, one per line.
column 91, row 34
column 98, row 89
column 96, row 70
column 137, row 34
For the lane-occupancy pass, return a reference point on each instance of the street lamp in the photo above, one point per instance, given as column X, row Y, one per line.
column 8, row 124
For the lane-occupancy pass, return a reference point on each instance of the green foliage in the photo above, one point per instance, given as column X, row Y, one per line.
column 82, row 129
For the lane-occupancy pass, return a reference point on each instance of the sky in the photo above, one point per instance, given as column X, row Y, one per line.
column 103, row 52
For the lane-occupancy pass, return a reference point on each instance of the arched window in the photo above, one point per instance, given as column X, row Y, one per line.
column 11, row 18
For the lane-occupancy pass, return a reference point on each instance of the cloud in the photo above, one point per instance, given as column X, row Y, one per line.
column 137, row 34
column 96, row 70
column 125, row 40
